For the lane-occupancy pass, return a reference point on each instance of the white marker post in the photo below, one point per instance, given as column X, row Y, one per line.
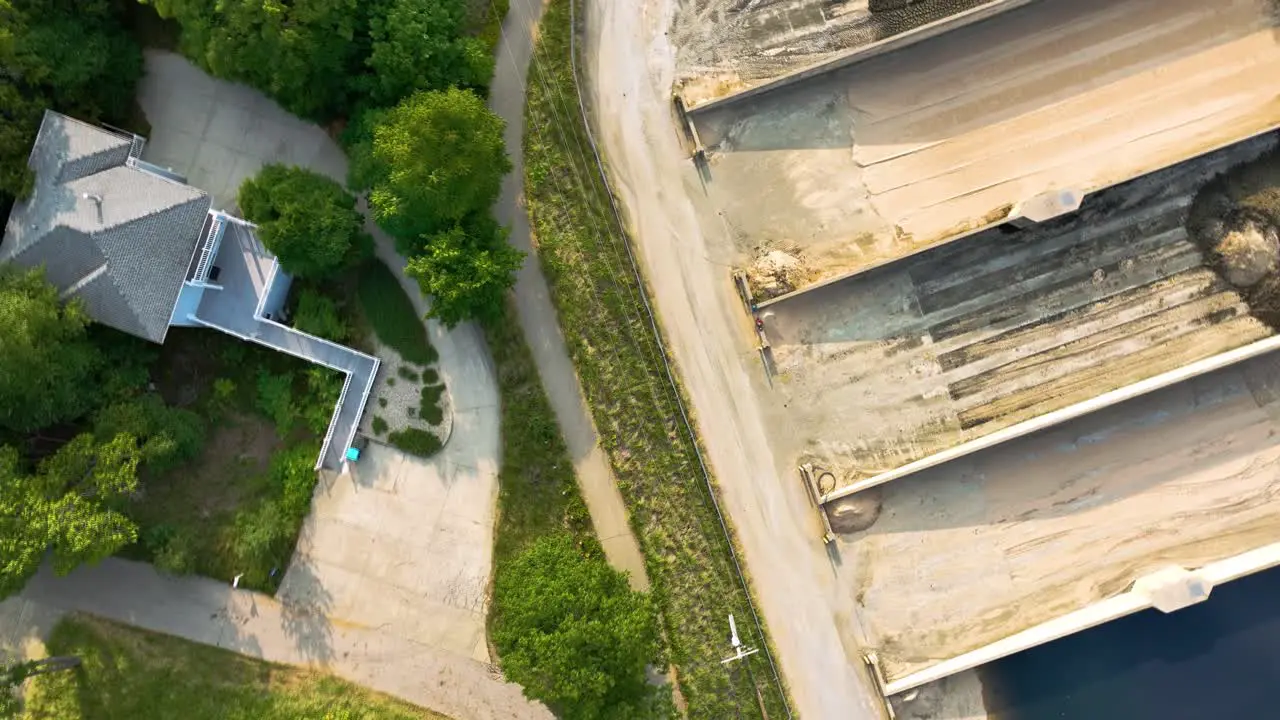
column 739, row 650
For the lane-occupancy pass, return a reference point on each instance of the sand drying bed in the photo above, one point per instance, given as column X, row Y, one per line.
column 896, row 365
column 952, row 134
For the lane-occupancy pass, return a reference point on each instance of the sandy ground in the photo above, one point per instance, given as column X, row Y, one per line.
column 807, row 610
column 879, row 160
column 985, row 546
column 887, row 368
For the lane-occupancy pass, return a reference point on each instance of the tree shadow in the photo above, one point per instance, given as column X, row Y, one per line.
column 304, row 606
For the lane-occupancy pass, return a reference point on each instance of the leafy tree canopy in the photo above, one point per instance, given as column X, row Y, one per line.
column 65, row 507
column 418, row 45
column 573, row 634
column 69, row 55
column 466, row 272
column 430, row 162
column 306, row 219
column 46, row 360
column 301, row 52
column 168, row 436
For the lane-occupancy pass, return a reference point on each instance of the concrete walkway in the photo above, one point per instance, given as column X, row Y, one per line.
column 212, row 613
column 537, row 315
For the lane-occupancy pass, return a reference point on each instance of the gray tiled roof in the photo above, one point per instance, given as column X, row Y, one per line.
column 91, row 213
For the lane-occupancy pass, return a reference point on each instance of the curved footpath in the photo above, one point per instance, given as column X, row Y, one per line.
column 537, row 315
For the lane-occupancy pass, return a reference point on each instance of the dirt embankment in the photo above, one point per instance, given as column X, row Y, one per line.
column 1235, row 220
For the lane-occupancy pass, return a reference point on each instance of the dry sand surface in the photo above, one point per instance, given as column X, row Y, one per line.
column 983, row 547
column 884, row 158
column 887, row 368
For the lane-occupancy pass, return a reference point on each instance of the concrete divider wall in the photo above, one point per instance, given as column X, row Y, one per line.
column 1130, row 602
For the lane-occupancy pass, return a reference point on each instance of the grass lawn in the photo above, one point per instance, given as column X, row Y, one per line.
column 130, row 674
column 391, row 314
column 583, row 252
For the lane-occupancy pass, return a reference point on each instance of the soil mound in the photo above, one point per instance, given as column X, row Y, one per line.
column 1235, row 220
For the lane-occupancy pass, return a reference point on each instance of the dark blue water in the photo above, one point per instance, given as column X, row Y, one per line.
column 1219, row 660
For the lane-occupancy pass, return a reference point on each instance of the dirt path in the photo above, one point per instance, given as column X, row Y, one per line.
column 537, row 315
column 630, row 74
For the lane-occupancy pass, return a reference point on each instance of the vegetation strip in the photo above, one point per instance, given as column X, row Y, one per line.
column 127, row 674
column 636, row 406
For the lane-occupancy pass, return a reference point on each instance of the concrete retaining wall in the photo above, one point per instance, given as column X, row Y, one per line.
column 1110, row 609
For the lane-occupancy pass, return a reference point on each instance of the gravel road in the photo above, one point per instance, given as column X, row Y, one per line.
column 631, row 66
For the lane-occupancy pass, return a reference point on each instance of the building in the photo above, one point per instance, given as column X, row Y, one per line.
column 144, row 251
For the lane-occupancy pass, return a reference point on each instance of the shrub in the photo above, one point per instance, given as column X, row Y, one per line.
column 430, row 410
column 222, row 399
column 323, row 389
column 415, row 441
column 177, row 556
column 275, row 400
column 258, row 538
column 379, row 425
column 572, row 633
column 167, row 436
column 430, row 376
column 293, row 476
column 318, row 315
column 407, row 373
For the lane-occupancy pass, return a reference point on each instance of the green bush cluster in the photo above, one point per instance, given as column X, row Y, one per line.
column 308, row 221
column 74, row 56
column 573, row 634
column 320, row 58
column 433, row 166
column 415, row 441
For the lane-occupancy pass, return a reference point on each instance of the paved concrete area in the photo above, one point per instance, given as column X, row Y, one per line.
column 213, row 613
column 401, row 544
column 218, row 133
column 537, row 314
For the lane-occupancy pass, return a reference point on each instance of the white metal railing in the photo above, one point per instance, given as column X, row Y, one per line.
column 206, row 253
column 333, row 422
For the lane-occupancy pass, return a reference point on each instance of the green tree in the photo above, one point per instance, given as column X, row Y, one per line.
column 573, row 634
column 68, row 55
column 301, row 52
column 418, row 45
column 306, row 219
column 318, row 315
column 46, row 361
column 65, row 507
column 466, row 272
column 430, row 162
column 168, row 436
